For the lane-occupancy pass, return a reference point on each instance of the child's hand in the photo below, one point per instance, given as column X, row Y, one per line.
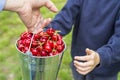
column 85, row 64
column 41, row 24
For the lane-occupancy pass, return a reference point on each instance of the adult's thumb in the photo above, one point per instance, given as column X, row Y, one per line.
column 50, row 5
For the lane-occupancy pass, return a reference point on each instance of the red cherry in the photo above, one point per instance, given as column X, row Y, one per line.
column 22, row 36
column 34, row 51
column 20, row 47
column 60, row 48
column 34, row 43
column 29, row 35
column 43, row 53
column 59, row 42
column 50, row 43
column 44, row 39
column 59, row 37
column 24, row 42
column 54, row 37
column 39, row 48
column 54, row 45
column 36, row 36
column 50, row 54
column 50, row 31
column 55, row 52
column 47, row 47
column 26, row 35
column 26, row 49
column 19, row 41
column 27, row 42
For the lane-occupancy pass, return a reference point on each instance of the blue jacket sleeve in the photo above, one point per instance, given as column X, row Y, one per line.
column 2, row 3
column 110, row 53
column 64, row 20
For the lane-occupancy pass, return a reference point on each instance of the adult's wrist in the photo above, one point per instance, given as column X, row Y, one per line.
column 13, row 5
column 2, row 4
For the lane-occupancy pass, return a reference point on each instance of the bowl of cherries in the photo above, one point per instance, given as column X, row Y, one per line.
column 44, row 44
column 47, row 48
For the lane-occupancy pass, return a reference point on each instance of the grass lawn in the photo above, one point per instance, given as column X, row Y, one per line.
column 10, row 29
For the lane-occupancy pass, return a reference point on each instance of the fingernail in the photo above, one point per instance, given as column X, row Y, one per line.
column 54, row 9
column 87, row 49
column 49, row 19
column 74, row 62
column 75, row 57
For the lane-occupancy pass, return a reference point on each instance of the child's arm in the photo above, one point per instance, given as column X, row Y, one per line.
column 110, row 53
column 64, row 20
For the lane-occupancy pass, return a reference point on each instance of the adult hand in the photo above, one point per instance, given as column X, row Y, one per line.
column 28, row 10
column 85, row 64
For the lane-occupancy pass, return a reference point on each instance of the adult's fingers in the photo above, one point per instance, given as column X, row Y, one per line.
column 27, row 20
column 49, row 4
column 30, row 18
column 42, row 23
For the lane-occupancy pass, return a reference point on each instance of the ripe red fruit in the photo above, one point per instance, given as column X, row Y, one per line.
column 60, row 48
column 50, row 31
column 20, row 47
column 60, row 42
column 39, row 48
column 45, row 43
column 26, row 48
column 34, row 44
column 54, row 45
column 26, row 35
column 34, row 51
column 36, row 37
column 55, row 52
column 54, row 37
column 59, row 37
column 50, row 43
column 43, row 53
column 47, row 47
column 27, row 42
column 50, row 54
column 44, row 39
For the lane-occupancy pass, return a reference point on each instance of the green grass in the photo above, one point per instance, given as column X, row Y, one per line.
column 10, row 29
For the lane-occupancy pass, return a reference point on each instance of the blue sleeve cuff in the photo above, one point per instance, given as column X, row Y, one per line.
column 2, row 4
column 105, row 58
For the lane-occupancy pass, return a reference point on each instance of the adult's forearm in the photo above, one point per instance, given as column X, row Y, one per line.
column 2, row 4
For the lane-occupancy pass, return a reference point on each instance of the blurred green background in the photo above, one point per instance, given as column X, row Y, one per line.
column 10, row 29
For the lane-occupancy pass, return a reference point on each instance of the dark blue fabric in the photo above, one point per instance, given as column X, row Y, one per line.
column 96, row 26
column 78, row 76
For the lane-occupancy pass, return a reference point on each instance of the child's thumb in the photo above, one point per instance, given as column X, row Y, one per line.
column 89, row 51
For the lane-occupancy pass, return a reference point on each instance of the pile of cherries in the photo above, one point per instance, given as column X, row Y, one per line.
column 45, row 43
